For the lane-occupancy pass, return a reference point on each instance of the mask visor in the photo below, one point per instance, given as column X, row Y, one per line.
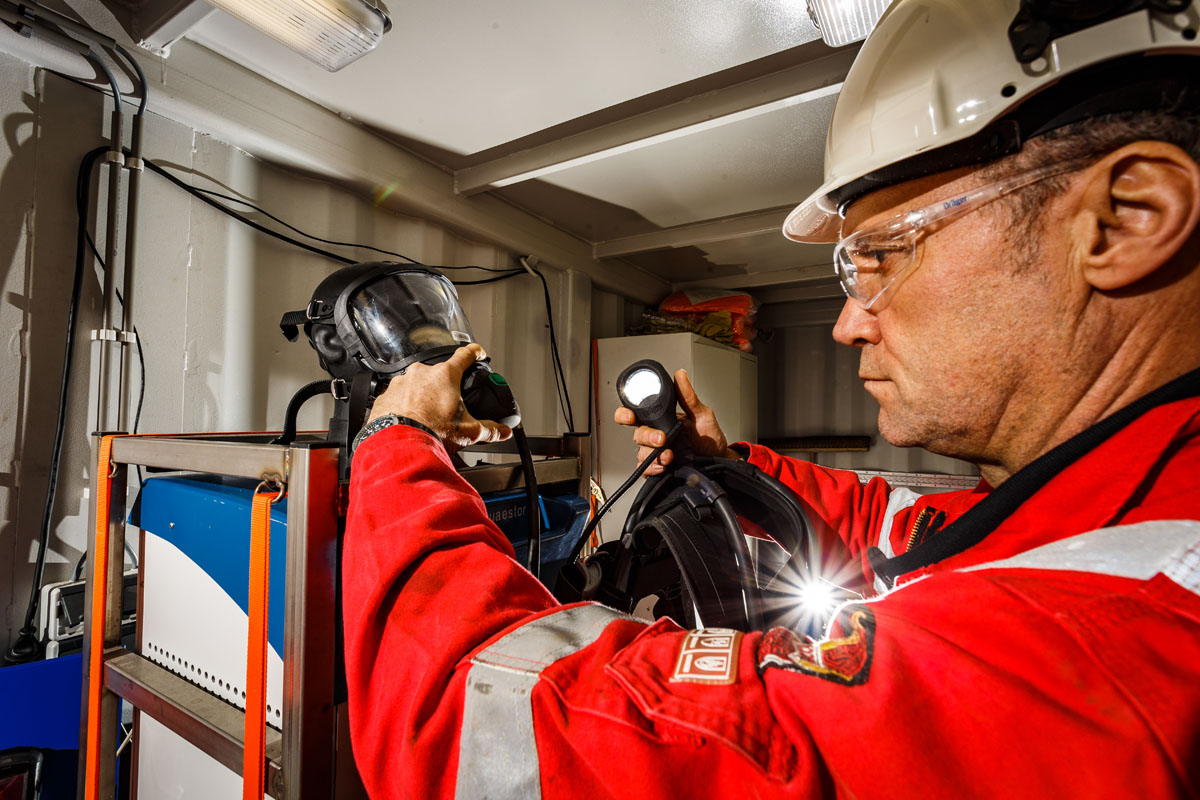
column 404, row 314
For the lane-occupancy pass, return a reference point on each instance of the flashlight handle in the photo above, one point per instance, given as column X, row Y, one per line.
column 487, row 395
column 657, row 410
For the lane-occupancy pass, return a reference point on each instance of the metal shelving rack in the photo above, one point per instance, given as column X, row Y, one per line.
column 300, row 760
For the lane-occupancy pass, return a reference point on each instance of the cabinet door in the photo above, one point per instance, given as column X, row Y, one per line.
column 718, row 373
column 748, row 409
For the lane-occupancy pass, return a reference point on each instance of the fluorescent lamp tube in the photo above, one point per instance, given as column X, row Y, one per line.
column 845, row 21
column 332, row 33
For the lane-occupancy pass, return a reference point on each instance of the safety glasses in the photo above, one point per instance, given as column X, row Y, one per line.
column 870, row 260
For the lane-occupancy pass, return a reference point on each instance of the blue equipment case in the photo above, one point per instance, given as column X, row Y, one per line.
column 208, row 521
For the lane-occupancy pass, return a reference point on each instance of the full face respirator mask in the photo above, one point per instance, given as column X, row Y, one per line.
column 370, row 322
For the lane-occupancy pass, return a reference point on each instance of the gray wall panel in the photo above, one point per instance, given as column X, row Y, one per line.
column 809, row 386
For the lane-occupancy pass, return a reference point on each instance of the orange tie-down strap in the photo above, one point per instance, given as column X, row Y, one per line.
column 254, row 756
column 254, row 759
column 99, row 563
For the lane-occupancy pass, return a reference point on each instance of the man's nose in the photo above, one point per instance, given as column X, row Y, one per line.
column 856, row 326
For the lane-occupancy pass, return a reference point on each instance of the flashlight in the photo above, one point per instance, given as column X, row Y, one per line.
column 647, row 389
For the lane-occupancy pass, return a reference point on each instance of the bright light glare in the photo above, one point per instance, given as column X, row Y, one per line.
column 817, row 598
column 642, row 384
column 806, row 601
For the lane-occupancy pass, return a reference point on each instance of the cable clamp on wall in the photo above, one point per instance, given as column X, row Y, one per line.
column 114, row 157
column 114, row 335
column 134, row 163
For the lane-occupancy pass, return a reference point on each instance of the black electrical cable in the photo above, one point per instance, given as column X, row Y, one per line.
column 293, row 228
column 624, row 487
column 357, row 245
column 564, row 397
column 534, row 511
column 202, row 195
column 155, row 168
column 27, row 647
column 505, row 276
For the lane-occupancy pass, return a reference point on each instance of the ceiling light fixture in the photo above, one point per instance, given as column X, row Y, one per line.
column 844, row 21
column 332, row 33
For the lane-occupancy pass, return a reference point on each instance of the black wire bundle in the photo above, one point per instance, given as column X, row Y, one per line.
column 208, row 196
column 623, row 488
column 560, row 378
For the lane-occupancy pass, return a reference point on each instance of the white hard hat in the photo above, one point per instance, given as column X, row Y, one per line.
column 941, row 84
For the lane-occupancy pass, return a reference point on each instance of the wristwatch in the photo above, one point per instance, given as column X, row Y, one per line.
column 387, row 421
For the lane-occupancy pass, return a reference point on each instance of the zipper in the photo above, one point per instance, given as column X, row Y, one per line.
column 918, row 524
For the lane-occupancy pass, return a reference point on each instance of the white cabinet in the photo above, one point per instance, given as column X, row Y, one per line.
column 726, row 380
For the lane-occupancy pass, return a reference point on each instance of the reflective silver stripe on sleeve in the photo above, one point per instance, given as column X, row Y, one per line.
column 899, row 499
column 1138, row 551
column 1186, row 569
column 497, row 756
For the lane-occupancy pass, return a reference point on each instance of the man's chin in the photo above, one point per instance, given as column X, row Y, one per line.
column 896, row 433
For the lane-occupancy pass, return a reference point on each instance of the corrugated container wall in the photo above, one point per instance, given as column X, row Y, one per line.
column 208, row 296
column 808, row 386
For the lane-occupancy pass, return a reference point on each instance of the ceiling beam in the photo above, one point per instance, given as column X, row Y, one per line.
column 824, row 290
column 752, row 280
column 816, row 71
column 712, row 230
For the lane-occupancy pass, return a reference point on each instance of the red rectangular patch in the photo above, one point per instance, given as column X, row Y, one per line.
column 708, row 656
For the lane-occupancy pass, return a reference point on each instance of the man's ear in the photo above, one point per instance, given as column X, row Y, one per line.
column 1141, row 204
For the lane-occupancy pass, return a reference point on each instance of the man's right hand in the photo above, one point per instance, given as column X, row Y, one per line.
column 700, row 427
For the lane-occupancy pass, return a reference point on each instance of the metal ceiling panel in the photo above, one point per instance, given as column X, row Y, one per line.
column 765, row 161
column 471, row 75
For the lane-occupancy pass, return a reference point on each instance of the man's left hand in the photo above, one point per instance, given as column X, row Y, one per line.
column 432, row 395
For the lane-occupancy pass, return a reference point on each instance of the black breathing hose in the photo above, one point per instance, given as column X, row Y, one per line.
column 534, row 512
column 637, row 473
column 305, row 393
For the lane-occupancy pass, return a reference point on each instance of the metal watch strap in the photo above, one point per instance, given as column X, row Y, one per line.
column 387, row 421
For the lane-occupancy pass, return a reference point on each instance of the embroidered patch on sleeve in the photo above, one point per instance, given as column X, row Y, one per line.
column 844, row 659
column 708, row 656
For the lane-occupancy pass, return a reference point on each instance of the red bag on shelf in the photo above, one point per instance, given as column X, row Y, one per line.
column 715, row 313
column 708, row 301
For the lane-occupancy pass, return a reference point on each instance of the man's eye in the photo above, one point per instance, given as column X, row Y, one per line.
column 876, row 259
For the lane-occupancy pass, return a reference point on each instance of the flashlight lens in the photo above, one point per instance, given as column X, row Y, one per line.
column 642, row 384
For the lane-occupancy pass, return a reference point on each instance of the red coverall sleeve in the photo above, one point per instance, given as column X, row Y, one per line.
column 430, row 585
column 838, row 504
column 909, row 696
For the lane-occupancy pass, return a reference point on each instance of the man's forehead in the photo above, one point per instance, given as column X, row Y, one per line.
column 891, row 201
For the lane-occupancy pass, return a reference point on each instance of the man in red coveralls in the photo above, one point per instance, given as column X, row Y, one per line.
column 1016, row 202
